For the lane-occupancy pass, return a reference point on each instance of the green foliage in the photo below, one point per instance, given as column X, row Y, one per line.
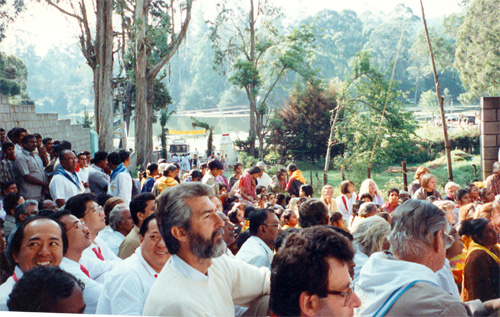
column 428, row 100
column 87, row 121
column 200, row 124
column 13, row 75
column 299, row 129
column 358, row 125
column 478, row 49
column 247, row 161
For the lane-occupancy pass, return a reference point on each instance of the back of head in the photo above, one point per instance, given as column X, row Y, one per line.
column 313, row 212
column 301, row 265
column 114, row 159
column 10, row 202
column 100, row 156
column 40, row 290
column 414, row 225
column 138, row 204
column 152, row 167
column 215, row 164
column 344, row 187
column 307, row 189
column 172, row 210
column 124, row 155
column 473, row 228
column 292, row 167
column 370, row 234
column 420, row 171
column 116, row 215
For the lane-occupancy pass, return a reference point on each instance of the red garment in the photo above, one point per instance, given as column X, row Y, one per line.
column 247, row 185
column 98, row 253
column 84, row 270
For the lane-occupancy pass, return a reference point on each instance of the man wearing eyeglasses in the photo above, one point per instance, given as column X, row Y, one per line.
column 310, row 275
column 404, row 282
column 78, row 240
column 258, row 249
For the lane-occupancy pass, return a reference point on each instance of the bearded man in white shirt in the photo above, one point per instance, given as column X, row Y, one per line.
column 199, row 279
column 128, row 285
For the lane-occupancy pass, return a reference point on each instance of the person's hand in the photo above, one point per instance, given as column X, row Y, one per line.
column 493, row 304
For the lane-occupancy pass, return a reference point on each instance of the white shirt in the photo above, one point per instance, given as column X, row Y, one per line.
column 62, row 188
column 6, row 288
column 112, row 238
column 341, row 207
column 447, row 281
column 227, row 282
column 265, row 180
column 92, row 290
column 127, row 287
column 121, row 186
column 255, row 252
column 83, row 173
column 96, row 267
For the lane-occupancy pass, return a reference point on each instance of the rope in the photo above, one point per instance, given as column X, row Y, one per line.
column 388, row 92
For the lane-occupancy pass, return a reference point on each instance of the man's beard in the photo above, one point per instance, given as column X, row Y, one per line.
column 207, row 249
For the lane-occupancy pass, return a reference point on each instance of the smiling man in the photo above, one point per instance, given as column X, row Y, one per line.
column 199, row 279
column 39, row 241
column 128, row 285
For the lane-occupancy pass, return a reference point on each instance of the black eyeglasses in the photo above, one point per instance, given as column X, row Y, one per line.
column 347, row 295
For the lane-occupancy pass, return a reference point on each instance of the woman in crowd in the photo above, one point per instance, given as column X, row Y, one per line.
column 490, row 211
column 296, row 180
column 168, row 172
column 236, row 216
column 450, row 189
column 247, row 184
column 369, row 237
column 415, row 185
column 327, row 198
column 289, row 219
column 237, row 170
column 448, row 207
column 474, row 193
column 337, row 220
column 487, row 195
column 260, row 200
column 346, row 199
column 366, row 197
column 392, row 200
column 428, row 182
column 462, row 197
column 482, row 265
column 279, row 181
column 369, row 186
column 306, row 191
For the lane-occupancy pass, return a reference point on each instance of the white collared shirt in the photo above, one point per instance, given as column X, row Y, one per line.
column 92, row 290
column 62, row 188
column 96, row 267
column 6, row 288
column 121, row 186
column 127, row 287
column 112, row 238
column 255, row 252
column 186, row 270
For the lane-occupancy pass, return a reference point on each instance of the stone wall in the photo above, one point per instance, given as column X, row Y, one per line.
column 490, row 133
column 47, row 124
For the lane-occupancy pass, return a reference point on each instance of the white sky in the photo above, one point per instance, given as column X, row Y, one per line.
column 45, row 27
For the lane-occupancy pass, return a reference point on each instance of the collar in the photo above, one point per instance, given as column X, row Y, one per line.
column 97, row 168
column 262, row 244
column 26, row 152
column 145, row 263
column 186, row 270
column 68, row 262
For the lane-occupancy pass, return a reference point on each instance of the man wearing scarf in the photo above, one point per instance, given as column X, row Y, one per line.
column 120, row 179
column 65, row 183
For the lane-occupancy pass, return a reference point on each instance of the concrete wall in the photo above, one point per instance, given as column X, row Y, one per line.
column 490, row 133
column 47, row 124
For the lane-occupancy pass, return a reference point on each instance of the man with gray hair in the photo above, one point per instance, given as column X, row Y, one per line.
column 404, row 282
column 199, row 279
column 121, row 223
column 493, row 181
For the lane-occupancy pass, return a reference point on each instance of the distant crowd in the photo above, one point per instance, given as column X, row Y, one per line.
column 80, row 235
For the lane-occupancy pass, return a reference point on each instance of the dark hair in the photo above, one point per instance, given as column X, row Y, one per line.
column 394, row 189
column 280, row 198
column 282, row 235
column 114, row 158
column 100, row 156
column 248, row 210
column 313, row 212
column 27, row 137
column 335, row 217
column 254, row 170
column 242, row 238
column 5, row 185
column 301, row 265
column 366, row 195
column 7, row 145
column 145, row 225
column 460, row 193
column 482, row 192
column 292, row 167
column 259, row 189
column 257, row 219
column 233, row 216
column 40, row 289
column 152, row 167
column 103, row 198
column 307, row 189
column 37, row 136
column 124, row 155
column 138, row 204
column 196, row 173
column 356, row 205
column 203, row 165
column 45, row 140
column 17, row 238
column 473, row 228
column 10, row 202
column 215, row 164
column 76, row 204
column 235, row 166
column 344, row 187
column 221, row 186
column 16, row 132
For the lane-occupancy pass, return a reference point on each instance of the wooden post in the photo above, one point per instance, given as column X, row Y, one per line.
column 343, row 172
column 440, row 99
column 369, row 172
column 405, row 176
column 311, row 177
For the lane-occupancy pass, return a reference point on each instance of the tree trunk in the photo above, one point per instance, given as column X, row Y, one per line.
column 104, row 92
column 253, row 103
column 329, row 146
column 142, row 137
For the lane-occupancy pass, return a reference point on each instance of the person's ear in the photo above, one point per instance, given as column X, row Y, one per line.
column 438, row 240
column 308, row 304
column 179, row 233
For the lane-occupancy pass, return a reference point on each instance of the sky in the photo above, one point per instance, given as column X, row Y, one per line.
column 45, row 27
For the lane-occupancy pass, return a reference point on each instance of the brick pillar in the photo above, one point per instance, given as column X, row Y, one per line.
column 490, row 133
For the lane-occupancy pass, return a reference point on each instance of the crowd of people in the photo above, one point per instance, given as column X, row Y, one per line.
column 79, row 234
